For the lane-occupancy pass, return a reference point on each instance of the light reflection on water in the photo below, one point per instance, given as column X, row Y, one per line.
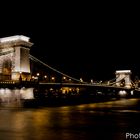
column 15, row 95
column 106, row 120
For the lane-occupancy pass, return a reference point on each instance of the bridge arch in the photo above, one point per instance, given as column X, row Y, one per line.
column 7, row 69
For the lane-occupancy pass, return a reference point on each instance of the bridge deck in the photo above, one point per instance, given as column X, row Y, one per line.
column 49, row 84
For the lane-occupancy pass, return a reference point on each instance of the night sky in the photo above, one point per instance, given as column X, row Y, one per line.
column 90, row 41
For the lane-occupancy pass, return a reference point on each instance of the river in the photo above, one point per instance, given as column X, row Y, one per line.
column 104, row 120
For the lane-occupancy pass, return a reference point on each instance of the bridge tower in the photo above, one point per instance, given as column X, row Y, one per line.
column 14, row 57
column 123, row 75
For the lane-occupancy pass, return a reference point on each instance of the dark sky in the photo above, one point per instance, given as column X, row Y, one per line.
column 80, row 40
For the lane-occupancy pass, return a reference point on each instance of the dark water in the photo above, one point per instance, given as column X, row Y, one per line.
column 106, row 120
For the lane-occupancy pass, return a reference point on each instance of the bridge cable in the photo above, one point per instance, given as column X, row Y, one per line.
column 113, row 79
column 117, row 81
column 35, row 59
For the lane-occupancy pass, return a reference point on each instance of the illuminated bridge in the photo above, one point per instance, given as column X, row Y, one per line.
column 18, row 69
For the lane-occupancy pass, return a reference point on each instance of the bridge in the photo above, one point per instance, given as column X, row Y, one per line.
column 16, row 71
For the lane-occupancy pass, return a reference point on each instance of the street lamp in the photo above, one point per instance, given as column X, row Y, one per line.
column 20, row 78
column 91, row 81
column 53, row 79
column 37, row 74
column 81, row 80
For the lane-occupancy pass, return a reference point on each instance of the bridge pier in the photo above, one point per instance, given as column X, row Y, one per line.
column 123, row 78
column 14, row 57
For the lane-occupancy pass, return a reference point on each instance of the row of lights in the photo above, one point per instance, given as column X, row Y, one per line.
column 53, row 78
column 7, row 82
column 45, row 77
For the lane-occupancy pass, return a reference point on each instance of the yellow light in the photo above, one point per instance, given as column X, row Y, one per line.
column 81, row 79
column 53, row 78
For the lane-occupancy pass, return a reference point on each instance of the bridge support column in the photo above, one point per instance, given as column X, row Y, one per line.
column 15, row 49
column 128, row 83
column 22, row 63
column 123, row 76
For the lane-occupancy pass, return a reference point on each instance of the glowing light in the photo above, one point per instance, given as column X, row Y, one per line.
column 37, row 74
column 123, row 71
column 132, row 92
column 122, row 92
column 23, row 69
column 64, row 77
column 26, row 93
column 81, row 79
column 45, row 76
column 33, row 77
column 53, row 78
column 8, row 95
column 14, row 38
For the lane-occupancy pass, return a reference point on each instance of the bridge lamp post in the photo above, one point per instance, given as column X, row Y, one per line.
column 64, row 79
column 70, row 80
column 91, row 81
column 20, row 73
column 45, row 77
column 20, row 78
column 53, row 79
column 38, row 74
column 81, row 80
column 33, row 77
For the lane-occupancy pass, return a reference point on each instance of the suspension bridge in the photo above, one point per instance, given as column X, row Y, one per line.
column 16, row 72
column 113, row 83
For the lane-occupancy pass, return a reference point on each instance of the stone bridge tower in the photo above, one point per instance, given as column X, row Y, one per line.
column 123, row 75
column 14, row 58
